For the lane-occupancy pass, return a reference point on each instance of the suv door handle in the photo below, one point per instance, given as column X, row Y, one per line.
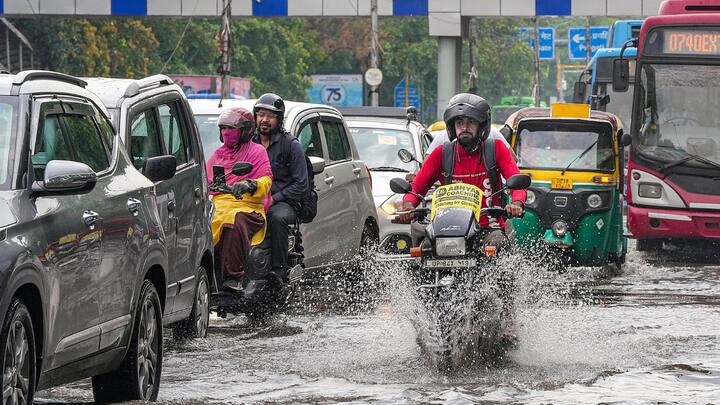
column 133, row 205
column 91, row 218
column 357, row 170
column 329, row 180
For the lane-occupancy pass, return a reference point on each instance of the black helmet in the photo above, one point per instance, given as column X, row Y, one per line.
column 271, row 102
column 471, row 106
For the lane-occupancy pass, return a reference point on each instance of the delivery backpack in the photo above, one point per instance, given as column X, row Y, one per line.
column 449, row 151
column 308, row 209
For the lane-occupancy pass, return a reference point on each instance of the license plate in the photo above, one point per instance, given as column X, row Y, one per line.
column 562, row 183
column 449, row 263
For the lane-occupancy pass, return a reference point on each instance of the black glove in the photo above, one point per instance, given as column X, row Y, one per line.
column 242, row 187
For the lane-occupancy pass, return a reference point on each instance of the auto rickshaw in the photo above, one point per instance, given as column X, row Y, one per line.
column 574, row 204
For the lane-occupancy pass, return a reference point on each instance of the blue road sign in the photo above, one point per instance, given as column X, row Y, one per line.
column 547, row 40
column 577, row 44
column 413, row 95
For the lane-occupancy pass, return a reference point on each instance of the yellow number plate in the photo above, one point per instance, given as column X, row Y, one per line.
column 562, row 183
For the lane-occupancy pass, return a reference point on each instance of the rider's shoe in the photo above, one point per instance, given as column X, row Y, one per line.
column 233, row 285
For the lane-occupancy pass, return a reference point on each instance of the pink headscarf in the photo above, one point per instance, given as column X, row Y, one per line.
column 250, row 152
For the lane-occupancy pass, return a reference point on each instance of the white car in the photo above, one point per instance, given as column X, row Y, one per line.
column 379, row 133
column 346, row 218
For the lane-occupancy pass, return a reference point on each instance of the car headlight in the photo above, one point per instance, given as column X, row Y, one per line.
column 560, row 228
column 594, row 201
column 649, row 190
column 450, row 246
column 530, row 199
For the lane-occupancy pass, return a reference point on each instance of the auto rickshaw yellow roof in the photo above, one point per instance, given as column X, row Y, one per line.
column 569, row 110
column 547, row 113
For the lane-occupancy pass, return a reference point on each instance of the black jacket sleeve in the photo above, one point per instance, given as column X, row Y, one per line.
column 297, row 188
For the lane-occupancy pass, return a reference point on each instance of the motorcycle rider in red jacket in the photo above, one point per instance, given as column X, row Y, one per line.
column 467, row 117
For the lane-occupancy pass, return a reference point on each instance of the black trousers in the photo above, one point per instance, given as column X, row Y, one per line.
column 279, row 217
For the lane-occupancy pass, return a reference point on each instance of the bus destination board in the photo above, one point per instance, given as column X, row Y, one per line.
column 691, row 42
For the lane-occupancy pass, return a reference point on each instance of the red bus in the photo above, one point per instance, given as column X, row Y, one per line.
column 673, row 175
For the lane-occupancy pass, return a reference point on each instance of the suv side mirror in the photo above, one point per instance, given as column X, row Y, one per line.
column 318, row 164
column 621, row 75
column 579, row 93
column 518, row 181
column 66, row 177
column 158, row 168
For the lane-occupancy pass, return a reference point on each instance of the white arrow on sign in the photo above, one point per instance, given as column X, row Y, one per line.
column 577, row 38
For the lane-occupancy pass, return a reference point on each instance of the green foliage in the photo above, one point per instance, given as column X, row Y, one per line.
column 276, row 55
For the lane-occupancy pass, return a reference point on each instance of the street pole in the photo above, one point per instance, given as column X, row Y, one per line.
column 559, row 78
column 226, row 55
column 536, row 90
column 588, row 41
column 473, row 74
column 374, row 94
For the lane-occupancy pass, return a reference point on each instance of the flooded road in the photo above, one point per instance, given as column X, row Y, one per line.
column 650, row 335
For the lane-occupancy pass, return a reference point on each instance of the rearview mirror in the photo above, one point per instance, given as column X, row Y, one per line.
column 506, row 132
column 604, row 100
column 621, row 75
column 626, row 139
column 242, row 168
column 66, row 177
column 158, row 168
column 400, row 186
column 405, row 156
column 579, row 93
column 318, row 164
column 518, row 181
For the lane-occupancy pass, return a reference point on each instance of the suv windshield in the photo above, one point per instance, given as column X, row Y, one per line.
column 677, row 114
column 8, row 122
column 209, row 133
column 561, row 145
column 379, row 148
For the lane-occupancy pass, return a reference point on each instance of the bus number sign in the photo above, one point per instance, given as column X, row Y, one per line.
column 691, row 42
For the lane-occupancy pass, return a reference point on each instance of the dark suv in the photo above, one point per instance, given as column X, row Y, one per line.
column 154, row 119
column 83, row 252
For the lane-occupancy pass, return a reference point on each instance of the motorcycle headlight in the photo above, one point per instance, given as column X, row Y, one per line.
column 530, row 199
column 560, row 228
column 390, row 206
column 450, row 246
column 594, row 201
column 649, row 190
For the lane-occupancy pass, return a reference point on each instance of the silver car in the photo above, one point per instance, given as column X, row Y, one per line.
column 346, row 218
column 379, row 135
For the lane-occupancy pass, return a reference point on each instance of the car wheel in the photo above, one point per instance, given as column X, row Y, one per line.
column 18, row 360
column 138, row 377
column 196, row 325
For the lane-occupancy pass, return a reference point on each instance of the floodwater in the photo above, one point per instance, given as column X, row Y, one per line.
column 649, row 335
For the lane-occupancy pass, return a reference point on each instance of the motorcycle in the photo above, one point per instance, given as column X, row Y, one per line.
column 263, row 291
column 465, row 296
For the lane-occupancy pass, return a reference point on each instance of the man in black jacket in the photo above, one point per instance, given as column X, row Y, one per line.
column 290, row 177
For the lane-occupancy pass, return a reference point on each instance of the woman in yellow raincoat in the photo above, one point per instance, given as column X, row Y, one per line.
column 239, row 219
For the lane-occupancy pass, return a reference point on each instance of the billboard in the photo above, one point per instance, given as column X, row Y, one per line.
column 200, row 84
column 337, row 90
